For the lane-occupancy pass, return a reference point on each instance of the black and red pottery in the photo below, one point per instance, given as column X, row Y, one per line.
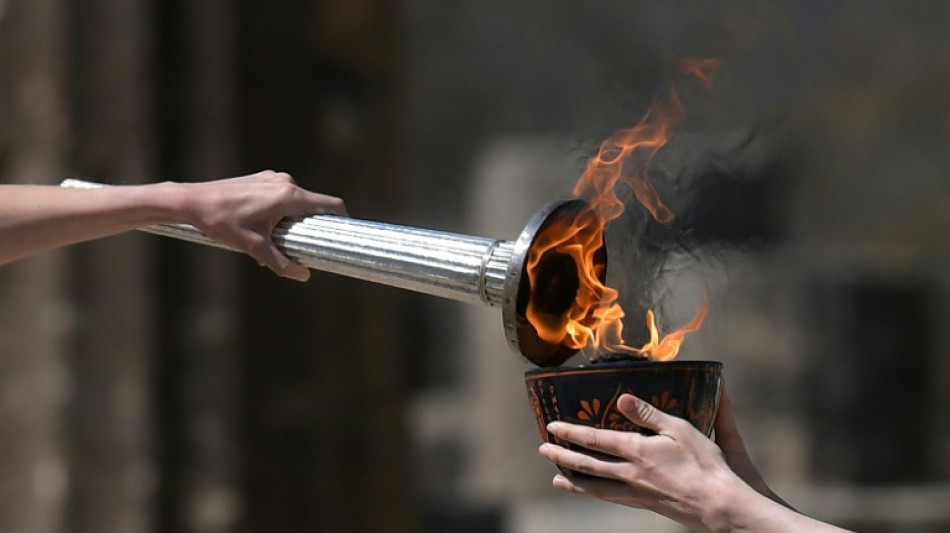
column 588, row 394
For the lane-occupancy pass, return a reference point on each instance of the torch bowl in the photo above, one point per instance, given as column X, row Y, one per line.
column 588, row 394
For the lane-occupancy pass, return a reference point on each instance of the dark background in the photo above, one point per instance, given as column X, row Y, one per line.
column 152, row 385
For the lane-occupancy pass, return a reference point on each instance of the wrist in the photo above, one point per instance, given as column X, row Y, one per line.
column 738, row 507
column 733, row 506
column 170, row 202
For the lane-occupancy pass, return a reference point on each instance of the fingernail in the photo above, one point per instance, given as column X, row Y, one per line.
column 554, row 427
column 627, row 402
column 561, row 482
column 543, row 448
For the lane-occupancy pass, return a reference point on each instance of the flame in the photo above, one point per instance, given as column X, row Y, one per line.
column 704, row 69
column 580, row 240
column 594, row 322
column 669, row 347
column 626, row 157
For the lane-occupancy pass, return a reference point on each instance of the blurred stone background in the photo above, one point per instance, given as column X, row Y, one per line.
column 151, row 385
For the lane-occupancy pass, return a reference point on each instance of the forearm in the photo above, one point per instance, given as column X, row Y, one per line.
column 37, row 218
column 676, row 471
column 743, row 509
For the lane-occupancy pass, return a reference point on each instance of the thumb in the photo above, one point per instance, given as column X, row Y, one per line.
column 643, row 414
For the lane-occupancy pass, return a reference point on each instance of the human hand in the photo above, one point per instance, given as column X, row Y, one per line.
column 678, row 472
column 243, row 212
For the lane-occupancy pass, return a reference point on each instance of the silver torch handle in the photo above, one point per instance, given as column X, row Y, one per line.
column 448, row 265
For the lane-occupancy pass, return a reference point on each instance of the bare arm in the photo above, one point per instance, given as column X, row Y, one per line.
column 678, row 473
column 241, row 212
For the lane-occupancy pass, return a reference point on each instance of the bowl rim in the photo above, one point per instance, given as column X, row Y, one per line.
column 614, row 366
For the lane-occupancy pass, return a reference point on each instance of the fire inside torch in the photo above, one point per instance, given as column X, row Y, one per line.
column 466, row 268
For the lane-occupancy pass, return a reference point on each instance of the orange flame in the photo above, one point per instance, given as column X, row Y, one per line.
column 669, row 347
column 595, row 320
column 579, row 239
column 625, row 157
column 704, row 69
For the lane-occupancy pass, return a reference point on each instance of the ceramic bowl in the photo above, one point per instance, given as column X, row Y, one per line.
column 588, row 394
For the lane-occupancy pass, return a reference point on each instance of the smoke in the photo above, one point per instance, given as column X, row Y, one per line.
column 825, row 125
column 723, row 189
column 720, row 181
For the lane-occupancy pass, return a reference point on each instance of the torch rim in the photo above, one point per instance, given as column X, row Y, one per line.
column 514, row 278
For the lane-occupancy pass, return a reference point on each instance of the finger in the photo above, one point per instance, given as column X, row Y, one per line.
column 645, row 415
column 312, row 203
column 582, row 462
column 295, row 271
column 603, row 489
column 608, row 441
column 264, row 251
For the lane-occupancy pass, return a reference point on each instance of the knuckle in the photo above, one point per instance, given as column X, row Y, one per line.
column 646, row 412
column 630, row 474
column 579, row 462
column 632, row 448
column 280, row 197
column 591, row 440
column 567, row 432
column 336, row 204
column 287, row 189
column 283, row 177
column 275, row 176
column 257, row 245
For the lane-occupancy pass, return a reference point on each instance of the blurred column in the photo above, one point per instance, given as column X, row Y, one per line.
column 199, row 356
column 34, row 318
column 112, row 461
column 514, row 178
column 869, row 392
column 325, row 361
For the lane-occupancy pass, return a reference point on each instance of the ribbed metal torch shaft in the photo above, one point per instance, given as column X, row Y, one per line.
column 448, row 265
